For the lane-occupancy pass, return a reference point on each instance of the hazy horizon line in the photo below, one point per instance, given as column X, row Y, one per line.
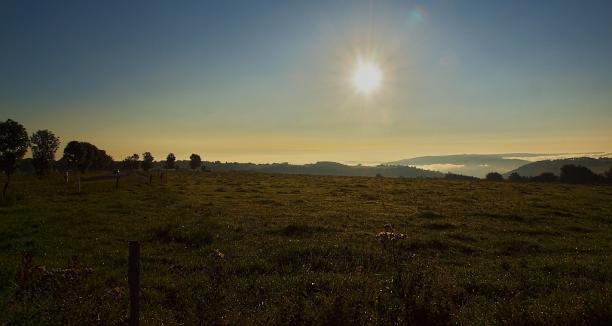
column 531, row 157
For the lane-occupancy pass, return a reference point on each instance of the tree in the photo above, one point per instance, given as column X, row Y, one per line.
column 147, row 164
column 75, row 155
column 131, row 162
column 515, row 177
column 92, row 158
column 147, row 161
column 101, row 160
column 577, row 174
column 196, row 161
column 170, row 161
column 609, row 175
column 14, row 142
column 89, row 152
column 546, row 177
column 494, row 176
column 44, row 146
column 453, row 176
column 81, row 157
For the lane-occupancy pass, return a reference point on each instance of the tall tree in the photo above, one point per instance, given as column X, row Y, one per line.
column 195, row 161
column 14, row 142
column 93, row 158
column 44, row 146
column 147, row 164
column 102, row 161
column 147, row 161
column 90, row 152
column 75, row 155
column 170, row 161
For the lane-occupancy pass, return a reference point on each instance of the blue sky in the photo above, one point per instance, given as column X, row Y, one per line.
column 269, row 80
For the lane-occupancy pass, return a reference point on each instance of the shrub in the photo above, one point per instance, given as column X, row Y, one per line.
column 515, row 177
column 494, row 176
column 546, row 177
column 577, row 174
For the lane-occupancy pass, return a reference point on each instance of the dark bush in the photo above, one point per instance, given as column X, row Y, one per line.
column 494, row 176
column 577, row 174
column 515, row 177
column 546, row 177
column 453, row 176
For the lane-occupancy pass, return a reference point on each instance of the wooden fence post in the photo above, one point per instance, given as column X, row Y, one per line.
column 78, row 182
column 134, row 282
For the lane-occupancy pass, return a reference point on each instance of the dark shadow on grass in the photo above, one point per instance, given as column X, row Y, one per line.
column 195, row 236
column 301, row 230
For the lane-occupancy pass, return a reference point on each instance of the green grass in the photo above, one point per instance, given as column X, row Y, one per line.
column 248, row 248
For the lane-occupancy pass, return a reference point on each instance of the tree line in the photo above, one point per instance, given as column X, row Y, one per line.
column 81, row 157
column 133, row 162
column 77, row 156
column 570, row 173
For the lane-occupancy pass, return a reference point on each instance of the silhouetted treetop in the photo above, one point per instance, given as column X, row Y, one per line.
column 170, row 161
column 74, row 154
column 85, row 156
column 14, row 143
column 147, row 161
column 44, row 146
column 195, row 161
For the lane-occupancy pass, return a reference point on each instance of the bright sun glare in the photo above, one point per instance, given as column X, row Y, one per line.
column 367, row 77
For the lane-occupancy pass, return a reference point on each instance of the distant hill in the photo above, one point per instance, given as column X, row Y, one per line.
column 319, row 168
column 327, row 168
column 597, row 165
column 477, row 165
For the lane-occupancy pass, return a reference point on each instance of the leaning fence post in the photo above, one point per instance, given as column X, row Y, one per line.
column 134, row 282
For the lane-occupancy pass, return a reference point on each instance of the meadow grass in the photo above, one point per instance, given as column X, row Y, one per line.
column 249, row 248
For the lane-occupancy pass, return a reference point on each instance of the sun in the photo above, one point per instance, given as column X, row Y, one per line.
column 367, row 77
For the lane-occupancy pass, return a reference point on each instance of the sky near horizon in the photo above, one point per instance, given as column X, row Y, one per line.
column 269, row 81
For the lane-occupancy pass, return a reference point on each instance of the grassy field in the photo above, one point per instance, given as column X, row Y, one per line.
column 247, row 248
